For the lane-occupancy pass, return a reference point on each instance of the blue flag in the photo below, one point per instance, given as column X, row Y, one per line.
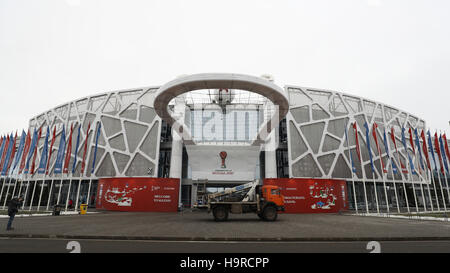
column 368, row 146
column 44, row 155
column 60, row 155
column 444, row 158
column 411, row 164
column 31, row 151
column 2, row 148
column 8, row 155
column 96, row 144
column 430, row 145
column 418, row 148
column 20, row 150
column 350, row 152
column 394, row 167
column 76, row 150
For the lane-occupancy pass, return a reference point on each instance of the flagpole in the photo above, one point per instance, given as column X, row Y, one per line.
column 403, row 180
column 443, row 167
column 419, row 166
column 50, row 192
column 428, row 186
column 382, row 170
column 353, row 178
column 26, row 191
column 360, row 162
column 428, row 174
column 410, row 168
column 394, row 182
column 439, row 175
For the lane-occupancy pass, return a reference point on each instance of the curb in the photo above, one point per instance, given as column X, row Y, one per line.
column 218, row 239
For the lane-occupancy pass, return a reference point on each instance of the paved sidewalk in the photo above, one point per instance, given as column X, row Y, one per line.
column 201, row 226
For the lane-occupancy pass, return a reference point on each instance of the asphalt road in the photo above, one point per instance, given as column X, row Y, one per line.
column 117, row 246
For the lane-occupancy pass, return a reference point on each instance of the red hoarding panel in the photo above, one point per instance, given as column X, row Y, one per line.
column 312, row 195
column 138, row 194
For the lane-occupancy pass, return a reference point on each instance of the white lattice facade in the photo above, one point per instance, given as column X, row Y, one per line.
column 128, row 144
column 316, row 126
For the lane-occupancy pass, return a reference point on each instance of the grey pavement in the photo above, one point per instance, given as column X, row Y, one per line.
column 200, row 226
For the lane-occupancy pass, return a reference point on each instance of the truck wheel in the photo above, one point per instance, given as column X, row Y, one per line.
column 270, row 213
column 220, row 214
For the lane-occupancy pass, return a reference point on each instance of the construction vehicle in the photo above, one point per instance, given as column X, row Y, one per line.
column 265, row 201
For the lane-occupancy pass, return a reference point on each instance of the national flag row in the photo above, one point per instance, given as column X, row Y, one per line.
column 440, row 148
column 23, row 159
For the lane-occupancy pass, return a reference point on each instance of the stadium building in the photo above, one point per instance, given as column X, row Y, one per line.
column 161, row 147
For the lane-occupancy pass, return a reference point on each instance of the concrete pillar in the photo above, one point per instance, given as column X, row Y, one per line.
column 176, row 157
column 270, row 155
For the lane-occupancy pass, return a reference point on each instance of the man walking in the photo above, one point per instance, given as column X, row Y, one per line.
column 13, row 209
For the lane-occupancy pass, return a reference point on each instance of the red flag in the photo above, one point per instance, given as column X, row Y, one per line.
column 51, row 150
column 404, row 170
column 357, row 142
column 68, row 152
column 13, row 153
column 83, row 163
column 33, row 164
column 447, row 151
column 436, row 144
column 374, row 133
column 5, row 151
column 411, row 141
column 425, row 149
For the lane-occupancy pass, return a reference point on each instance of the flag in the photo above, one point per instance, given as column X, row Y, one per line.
column 430, row 145
column 358, row 152
column 25, row 152
column 374, row 133
column 4, row 152
column 51, row 150
column 7, row 155
column 33, row 163
column 68, row 152
column 44, row 154
column 76, row 150
column 425, row 149
column 411, row 164
column 418, row 148
column 83, row 162
column 96, row 144
column 368, row 145
column 60, row 155
column 386, row 147
column 447, row 151
column 13, row 155
column 19, row 154
column 404, row 170
column 444, row 159
column 411, row 141
column 31, row 152
column 349, row 151
column 438, row 151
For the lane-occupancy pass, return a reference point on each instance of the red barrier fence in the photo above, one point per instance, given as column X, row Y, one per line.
column 312, row 195
column 138, row 194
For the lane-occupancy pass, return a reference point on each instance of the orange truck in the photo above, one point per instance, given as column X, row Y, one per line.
column 265, row 201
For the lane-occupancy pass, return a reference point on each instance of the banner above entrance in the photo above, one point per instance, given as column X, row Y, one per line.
column 223, row 163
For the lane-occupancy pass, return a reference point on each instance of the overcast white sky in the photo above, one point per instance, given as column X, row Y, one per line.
column 55, row 51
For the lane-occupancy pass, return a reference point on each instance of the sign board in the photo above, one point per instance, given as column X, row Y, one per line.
column 138, row 194
column 312, row 195
column 223, row 162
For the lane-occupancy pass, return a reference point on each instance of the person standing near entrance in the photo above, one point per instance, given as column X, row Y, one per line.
column 13, row 208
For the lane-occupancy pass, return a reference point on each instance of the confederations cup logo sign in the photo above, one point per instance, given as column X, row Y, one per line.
column 223, row 156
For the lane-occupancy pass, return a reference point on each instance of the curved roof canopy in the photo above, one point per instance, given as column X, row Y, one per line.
column 189, row 83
